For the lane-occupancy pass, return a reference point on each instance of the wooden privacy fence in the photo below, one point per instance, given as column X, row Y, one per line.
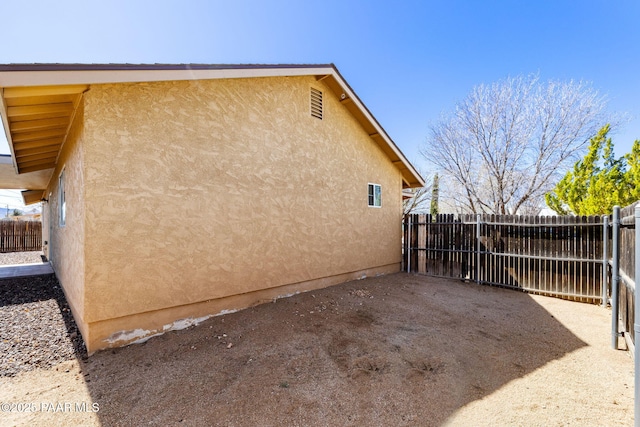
column 20, row 236
column 625, row 276
column 558, row 256
column 623, row 273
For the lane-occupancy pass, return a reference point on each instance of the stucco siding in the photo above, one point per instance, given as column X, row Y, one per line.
column 66, row 242
column 208, row 189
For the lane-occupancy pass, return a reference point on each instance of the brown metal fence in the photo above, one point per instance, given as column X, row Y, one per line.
column 558, row 256
column 20, row 236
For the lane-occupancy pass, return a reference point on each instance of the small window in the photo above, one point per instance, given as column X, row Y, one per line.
column 62, row 200
column 375, row 195
column 316, row 103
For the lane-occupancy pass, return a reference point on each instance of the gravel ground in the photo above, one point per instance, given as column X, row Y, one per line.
column 12, row 258
column 37, row 329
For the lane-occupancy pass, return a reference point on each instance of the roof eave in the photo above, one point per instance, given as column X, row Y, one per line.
column 17, row 75
column 61, row 74
column 411, row 177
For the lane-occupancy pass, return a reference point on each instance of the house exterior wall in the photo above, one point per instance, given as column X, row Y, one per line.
column 65, row 243
column 204, row 196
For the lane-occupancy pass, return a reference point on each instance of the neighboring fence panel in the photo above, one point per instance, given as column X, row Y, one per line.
column 626, row 285
column 559, row 256
column 443, row 245
column 20, row 236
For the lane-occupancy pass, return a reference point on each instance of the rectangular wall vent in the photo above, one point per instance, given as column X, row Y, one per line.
column 316, row 103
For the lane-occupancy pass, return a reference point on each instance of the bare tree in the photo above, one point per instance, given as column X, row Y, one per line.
column 420, row 198
column 418, row 202
column 506, row 144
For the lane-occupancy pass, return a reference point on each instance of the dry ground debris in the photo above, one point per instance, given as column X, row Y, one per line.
column 392, row 350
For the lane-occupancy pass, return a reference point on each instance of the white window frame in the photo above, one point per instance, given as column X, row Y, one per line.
column 62, row 201
column 372, row 200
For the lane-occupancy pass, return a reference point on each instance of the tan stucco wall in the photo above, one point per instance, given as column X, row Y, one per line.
column 207, row 189
column 65, row 248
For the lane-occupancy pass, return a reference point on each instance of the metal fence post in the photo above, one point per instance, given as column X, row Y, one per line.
column 605, row 258
column 636, row 321
column 615, row 276
column 478, row 248
column 408, row 243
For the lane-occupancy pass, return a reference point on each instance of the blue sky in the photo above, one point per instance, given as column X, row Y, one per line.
column 408, row 61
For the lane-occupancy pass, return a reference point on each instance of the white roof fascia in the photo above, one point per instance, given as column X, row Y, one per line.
column 72, row 77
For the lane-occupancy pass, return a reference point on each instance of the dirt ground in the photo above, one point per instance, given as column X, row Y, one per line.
column 387, row 351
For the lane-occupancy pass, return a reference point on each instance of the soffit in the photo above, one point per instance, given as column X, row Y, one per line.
column 37, row 122
column 32, row 196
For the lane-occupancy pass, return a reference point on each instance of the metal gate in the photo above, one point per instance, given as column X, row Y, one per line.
column 559, row 256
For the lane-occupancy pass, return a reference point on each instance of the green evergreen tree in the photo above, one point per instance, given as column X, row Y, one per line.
column 434, row 196
column 599, row 181
column 633, row 172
